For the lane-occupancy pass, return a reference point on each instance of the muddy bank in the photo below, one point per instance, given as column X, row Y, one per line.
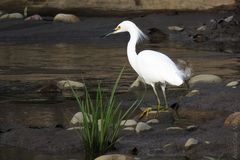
column 116, row 7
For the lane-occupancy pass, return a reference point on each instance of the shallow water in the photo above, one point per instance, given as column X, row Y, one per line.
column 25, row 67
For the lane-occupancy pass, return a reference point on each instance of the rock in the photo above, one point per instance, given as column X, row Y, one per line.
column 129, row 122
column 141, row 126
column 78, row 118
column 190, row 143
column 65, row 84
column 232, row 84
column 152, row 121
column 128, row 129
column 12, row 16
column 74, row 128
column 202, row 28
column 35, row 17
column 114, row 157
column 228, row 19
column 175, row 28
column 174, row 128
column 205, row 78
column 233, row 119
column 193, row 93
column 191, row 128
column 1, row 13
column 200, row 38
column 156, row 35
column 67, row 18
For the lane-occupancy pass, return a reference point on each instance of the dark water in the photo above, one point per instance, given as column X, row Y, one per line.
column 25, row 66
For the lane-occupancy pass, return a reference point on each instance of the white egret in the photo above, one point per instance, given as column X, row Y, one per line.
column 151, row 66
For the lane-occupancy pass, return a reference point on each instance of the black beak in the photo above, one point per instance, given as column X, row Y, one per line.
column 106, row 35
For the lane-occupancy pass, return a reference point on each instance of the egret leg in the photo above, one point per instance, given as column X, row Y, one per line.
column 163, row 86
column 158, row 100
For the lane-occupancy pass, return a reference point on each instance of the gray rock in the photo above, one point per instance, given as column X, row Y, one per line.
column 228, row 19
column 35, row 17
column 15, row 16
column 174, row 128
column 128, row 129
column 190, row 143
column 4, row 16
column 129, row 122
column 78, row 118
column 205, row 78
column 153, row 121
column 74, row 128
column 175, row 28
column 202, row 28
column 191, row 128
column 141, row 126
column 114, row 157
column 232, row 84
column 65, row 84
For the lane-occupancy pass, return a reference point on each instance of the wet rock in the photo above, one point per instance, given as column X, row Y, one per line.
column 78, row 118
column 190, row 143
column 193, row 93
column 35, row 17
column 202, row 28
column 128, row 129
column 175, row 28
column 174, row 128
column 153, row 121
column 233, row 119
column 205, row 78
column 191, row 128
column 12, row 16
column 228, row 19
column 141, row 126
column 232, row 84
column 156, row 35
column 67, row 18
column 114, row 157
column 200, row 38
column 129, row 122
column 67, row 84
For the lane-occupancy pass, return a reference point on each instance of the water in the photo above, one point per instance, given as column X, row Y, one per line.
column 24, row 67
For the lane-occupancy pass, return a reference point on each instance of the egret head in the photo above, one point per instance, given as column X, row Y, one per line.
column 128, row 26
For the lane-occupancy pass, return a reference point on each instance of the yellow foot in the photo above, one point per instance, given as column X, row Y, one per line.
column 145, row 113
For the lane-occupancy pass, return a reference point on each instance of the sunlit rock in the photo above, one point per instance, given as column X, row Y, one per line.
column 233, row 119
column 12, row 16
column 191, row 128
column 114, row 157
column 129, row 122
column 78, row 118
column 205, row 78
column 232, row 84
column 202, row 28
column 153, row 121
column 67, row 84
column 141, row 126
column 175, row 28
column 67, row 18
column 190, row 143
column 228, row 19
column 128, row 129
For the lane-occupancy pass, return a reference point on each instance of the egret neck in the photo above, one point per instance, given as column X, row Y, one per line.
column 131, row 48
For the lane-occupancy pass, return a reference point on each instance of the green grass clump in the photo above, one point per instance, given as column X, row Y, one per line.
column 99, row 138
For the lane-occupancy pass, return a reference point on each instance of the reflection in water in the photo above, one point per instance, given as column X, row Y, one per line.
column 34, row 63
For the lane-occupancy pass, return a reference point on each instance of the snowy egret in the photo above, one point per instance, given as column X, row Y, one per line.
column 151, row 66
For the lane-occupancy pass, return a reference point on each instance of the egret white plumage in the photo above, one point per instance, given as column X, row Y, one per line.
column 151, row 66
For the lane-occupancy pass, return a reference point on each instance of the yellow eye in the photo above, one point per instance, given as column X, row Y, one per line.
column 117, row 28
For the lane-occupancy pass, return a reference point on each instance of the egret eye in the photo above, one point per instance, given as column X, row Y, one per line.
column 117, row 28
